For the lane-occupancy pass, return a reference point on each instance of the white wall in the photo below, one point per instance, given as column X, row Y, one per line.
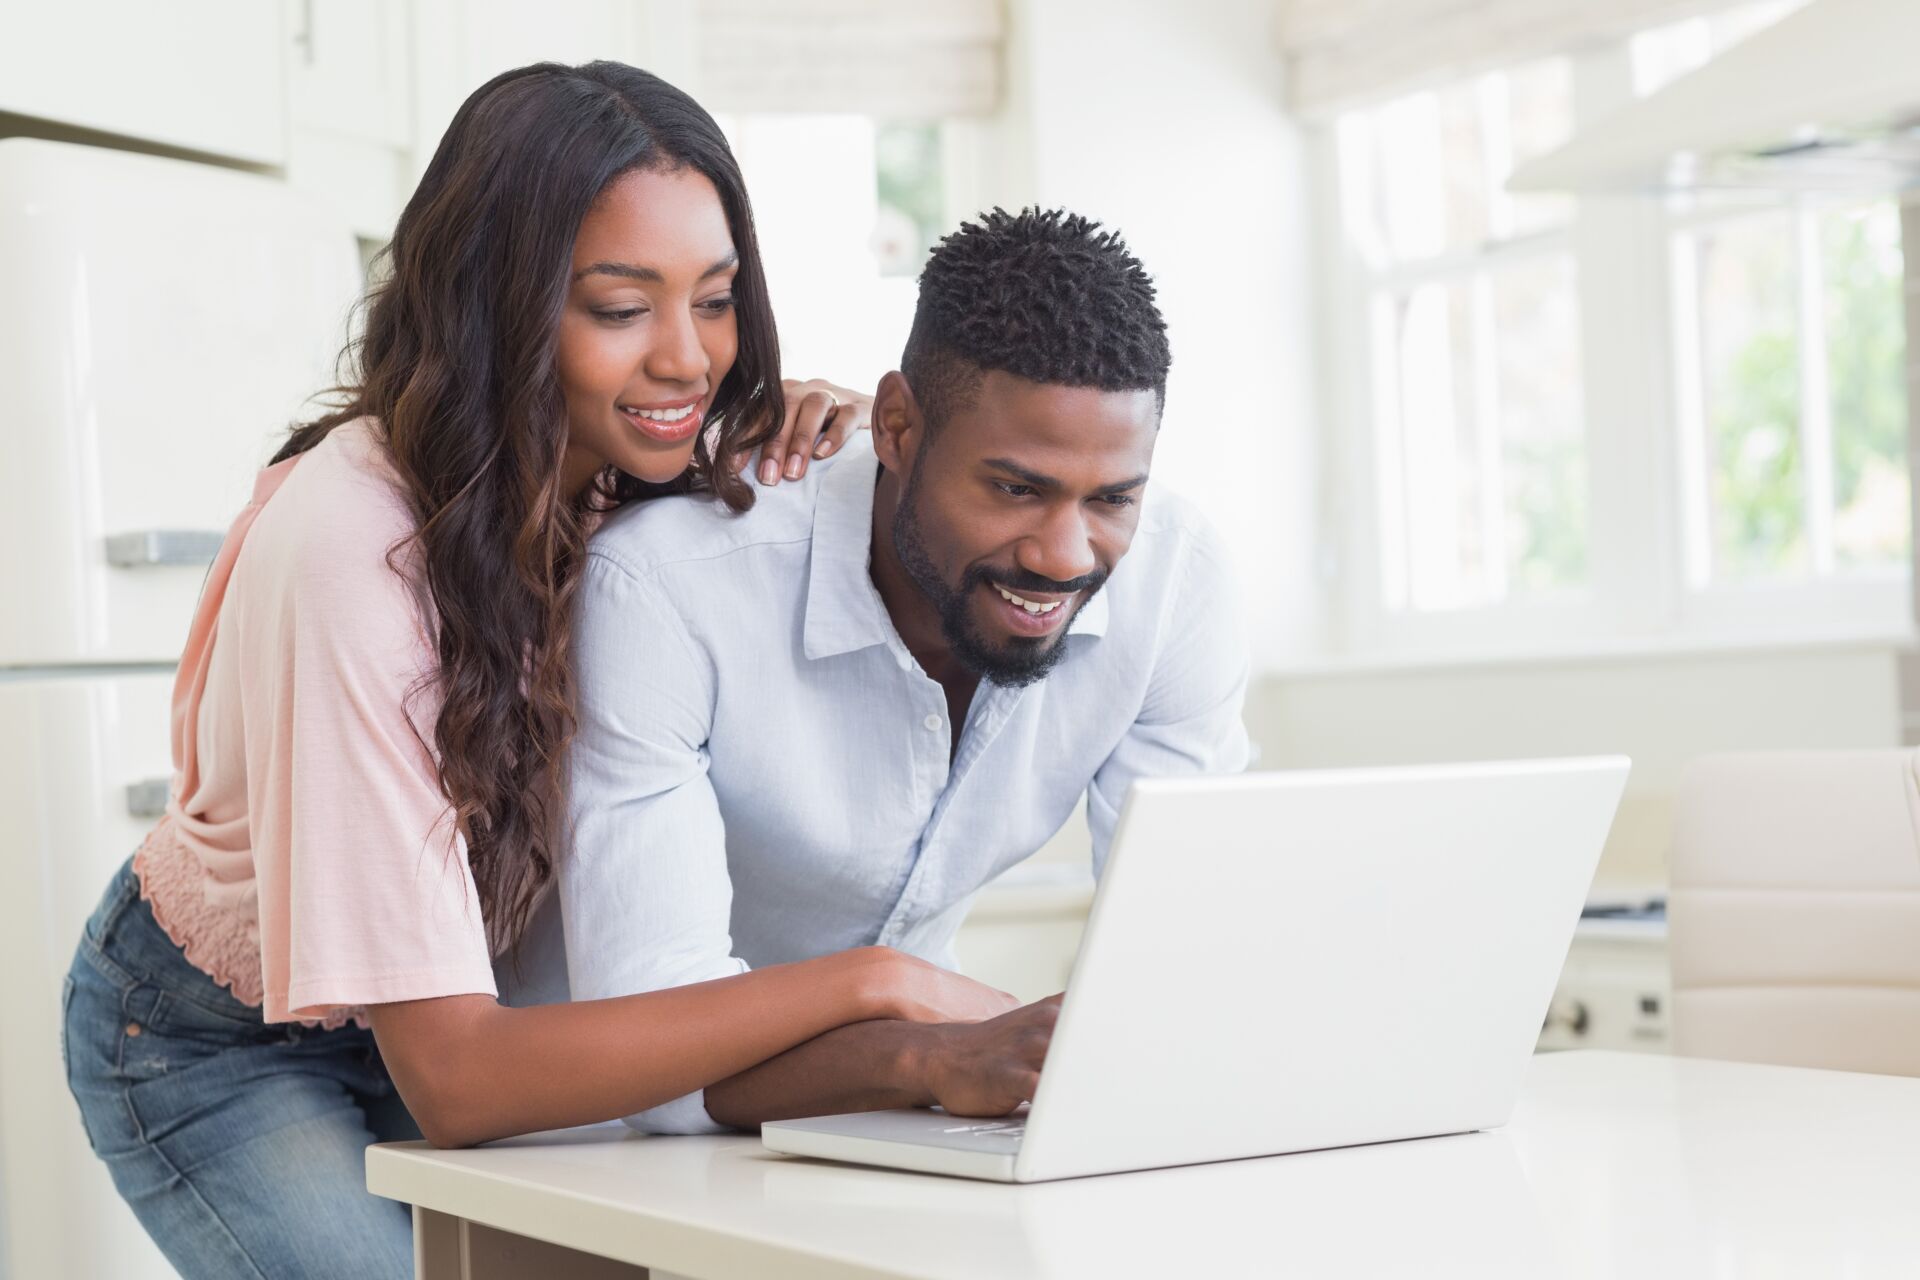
column 1662, row 711
column 1166, row 122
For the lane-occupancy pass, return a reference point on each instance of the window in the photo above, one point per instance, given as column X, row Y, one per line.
column 1792, row 392
column 912, row 213
column 1579, row 422
column 1477, row 416
column 847, row 208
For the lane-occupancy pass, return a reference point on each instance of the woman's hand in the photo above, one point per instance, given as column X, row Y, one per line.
column 820, row 417
column 903, row 987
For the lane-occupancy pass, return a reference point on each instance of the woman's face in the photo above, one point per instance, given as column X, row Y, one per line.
column 649, row 330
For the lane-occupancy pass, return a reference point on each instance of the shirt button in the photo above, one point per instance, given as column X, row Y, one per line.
column 933, row 723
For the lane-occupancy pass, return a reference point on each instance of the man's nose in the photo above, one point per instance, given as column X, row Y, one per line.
column 1061, row 549
column 676, row 354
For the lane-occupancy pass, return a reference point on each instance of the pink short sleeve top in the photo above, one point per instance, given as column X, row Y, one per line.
column 308, row 860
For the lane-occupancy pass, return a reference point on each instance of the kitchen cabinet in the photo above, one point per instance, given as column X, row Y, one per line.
column 458, row 45
column 203, row 75
column 350, row 107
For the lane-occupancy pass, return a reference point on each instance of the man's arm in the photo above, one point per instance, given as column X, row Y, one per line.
column 1189, row 723
column 971, row 1069
column 1190, row 720
column 645, row 894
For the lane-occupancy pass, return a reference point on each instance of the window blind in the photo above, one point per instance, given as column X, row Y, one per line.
column 903, row 59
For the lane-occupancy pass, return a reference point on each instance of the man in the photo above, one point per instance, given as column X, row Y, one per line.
column 826, row 723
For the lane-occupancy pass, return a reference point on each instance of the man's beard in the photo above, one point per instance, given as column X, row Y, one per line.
column 1020, row 660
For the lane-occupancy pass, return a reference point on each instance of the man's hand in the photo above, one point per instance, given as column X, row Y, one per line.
column 970, row 1068
column 989, row 1068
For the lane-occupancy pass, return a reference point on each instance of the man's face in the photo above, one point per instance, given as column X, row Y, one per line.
column 1016, row 510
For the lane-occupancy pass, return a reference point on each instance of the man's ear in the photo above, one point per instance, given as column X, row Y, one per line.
column 898, row 429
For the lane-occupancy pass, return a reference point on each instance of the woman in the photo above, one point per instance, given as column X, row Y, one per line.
column 373, row 709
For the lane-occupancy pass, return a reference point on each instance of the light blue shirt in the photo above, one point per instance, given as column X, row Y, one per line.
column 761, row 772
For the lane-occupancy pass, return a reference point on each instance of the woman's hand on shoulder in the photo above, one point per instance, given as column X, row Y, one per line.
column 820, row 417
column 904, row 987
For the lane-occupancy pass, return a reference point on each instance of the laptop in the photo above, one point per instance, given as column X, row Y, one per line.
column 1288, row 962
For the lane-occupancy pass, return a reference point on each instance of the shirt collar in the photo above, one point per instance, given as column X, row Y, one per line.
column 844, row 610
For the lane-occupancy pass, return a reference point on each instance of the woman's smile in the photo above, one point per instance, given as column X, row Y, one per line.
column 669, row 422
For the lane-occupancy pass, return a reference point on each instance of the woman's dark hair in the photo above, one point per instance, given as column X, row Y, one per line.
column 457, row 367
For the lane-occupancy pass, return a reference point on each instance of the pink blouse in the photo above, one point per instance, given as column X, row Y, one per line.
column 307, row 860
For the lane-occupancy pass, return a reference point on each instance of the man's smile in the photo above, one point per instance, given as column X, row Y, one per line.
column 1029, row 614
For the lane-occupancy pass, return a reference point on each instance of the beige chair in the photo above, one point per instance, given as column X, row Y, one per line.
column 1795, row 910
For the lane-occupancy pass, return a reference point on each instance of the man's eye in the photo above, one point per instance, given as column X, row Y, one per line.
column 1014, row 490
column 1117, row 499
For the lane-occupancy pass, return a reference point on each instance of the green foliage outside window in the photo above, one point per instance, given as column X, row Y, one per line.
column 1758, row 480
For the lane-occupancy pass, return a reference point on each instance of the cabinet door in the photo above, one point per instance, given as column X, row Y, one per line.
column 461, row 44
column 165, row 322
column 206, row 75
column 69, row 750
column 349, row 80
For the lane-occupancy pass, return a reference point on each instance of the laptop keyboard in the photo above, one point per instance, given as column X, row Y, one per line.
column 999, row 1130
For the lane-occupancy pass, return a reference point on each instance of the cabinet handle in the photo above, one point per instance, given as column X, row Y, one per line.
column 148, row 797
column 162, row 547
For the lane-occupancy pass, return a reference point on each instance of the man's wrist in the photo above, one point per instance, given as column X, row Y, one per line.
column 915, row 1061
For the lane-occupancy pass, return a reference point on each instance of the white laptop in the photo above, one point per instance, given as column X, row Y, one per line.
column 1287, row 962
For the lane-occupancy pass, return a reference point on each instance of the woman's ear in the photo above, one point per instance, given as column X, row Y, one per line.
column 897, row 427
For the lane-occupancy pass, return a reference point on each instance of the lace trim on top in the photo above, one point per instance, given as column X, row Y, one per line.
column 222, row 943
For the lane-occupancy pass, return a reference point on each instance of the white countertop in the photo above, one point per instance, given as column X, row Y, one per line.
column 1614, row 1165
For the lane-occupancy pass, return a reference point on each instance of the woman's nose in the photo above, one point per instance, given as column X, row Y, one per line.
column 676, row 354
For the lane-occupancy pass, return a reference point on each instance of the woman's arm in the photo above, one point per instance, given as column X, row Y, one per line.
column 471, row 1069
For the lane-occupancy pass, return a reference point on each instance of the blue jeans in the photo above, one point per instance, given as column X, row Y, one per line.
column 240, row 1144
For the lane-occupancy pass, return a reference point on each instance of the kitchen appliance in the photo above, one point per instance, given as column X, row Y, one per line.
column 161, row 323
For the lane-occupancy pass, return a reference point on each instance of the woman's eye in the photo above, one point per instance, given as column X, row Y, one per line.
column 717, row 306
column 622, row 316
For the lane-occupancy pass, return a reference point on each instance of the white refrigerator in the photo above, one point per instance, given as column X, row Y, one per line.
column 161, row 322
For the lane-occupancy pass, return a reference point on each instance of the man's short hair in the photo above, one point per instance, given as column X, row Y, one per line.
column 1044, row 295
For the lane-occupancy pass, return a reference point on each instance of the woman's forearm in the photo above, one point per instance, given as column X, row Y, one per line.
column 471, row 1069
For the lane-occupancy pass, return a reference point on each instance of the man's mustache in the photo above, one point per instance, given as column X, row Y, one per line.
column 1017, row 580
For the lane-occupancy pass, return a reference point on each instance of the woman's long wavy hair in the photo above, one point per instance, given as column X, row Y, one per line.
column 456, row 366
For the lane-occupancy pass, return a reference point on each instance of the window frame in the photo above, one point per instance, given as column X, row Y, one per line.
column 1639, row 596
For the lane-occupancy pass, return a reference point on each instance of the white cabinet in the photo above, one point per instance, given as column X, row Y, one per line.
column 373, row 84
column 350, row 103
column 458, row 45
column 205, row 75
column 1616, row 991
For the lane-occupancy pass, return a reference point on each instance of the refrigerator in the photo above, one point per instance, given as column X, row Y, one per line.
column 161, row 323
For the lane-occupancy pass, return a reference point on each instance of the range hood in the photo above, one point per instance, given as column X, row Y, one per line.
column 1828, row 99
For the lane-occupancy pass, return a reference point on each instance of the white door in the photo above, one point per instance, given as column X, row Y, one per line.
column 70, row 749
